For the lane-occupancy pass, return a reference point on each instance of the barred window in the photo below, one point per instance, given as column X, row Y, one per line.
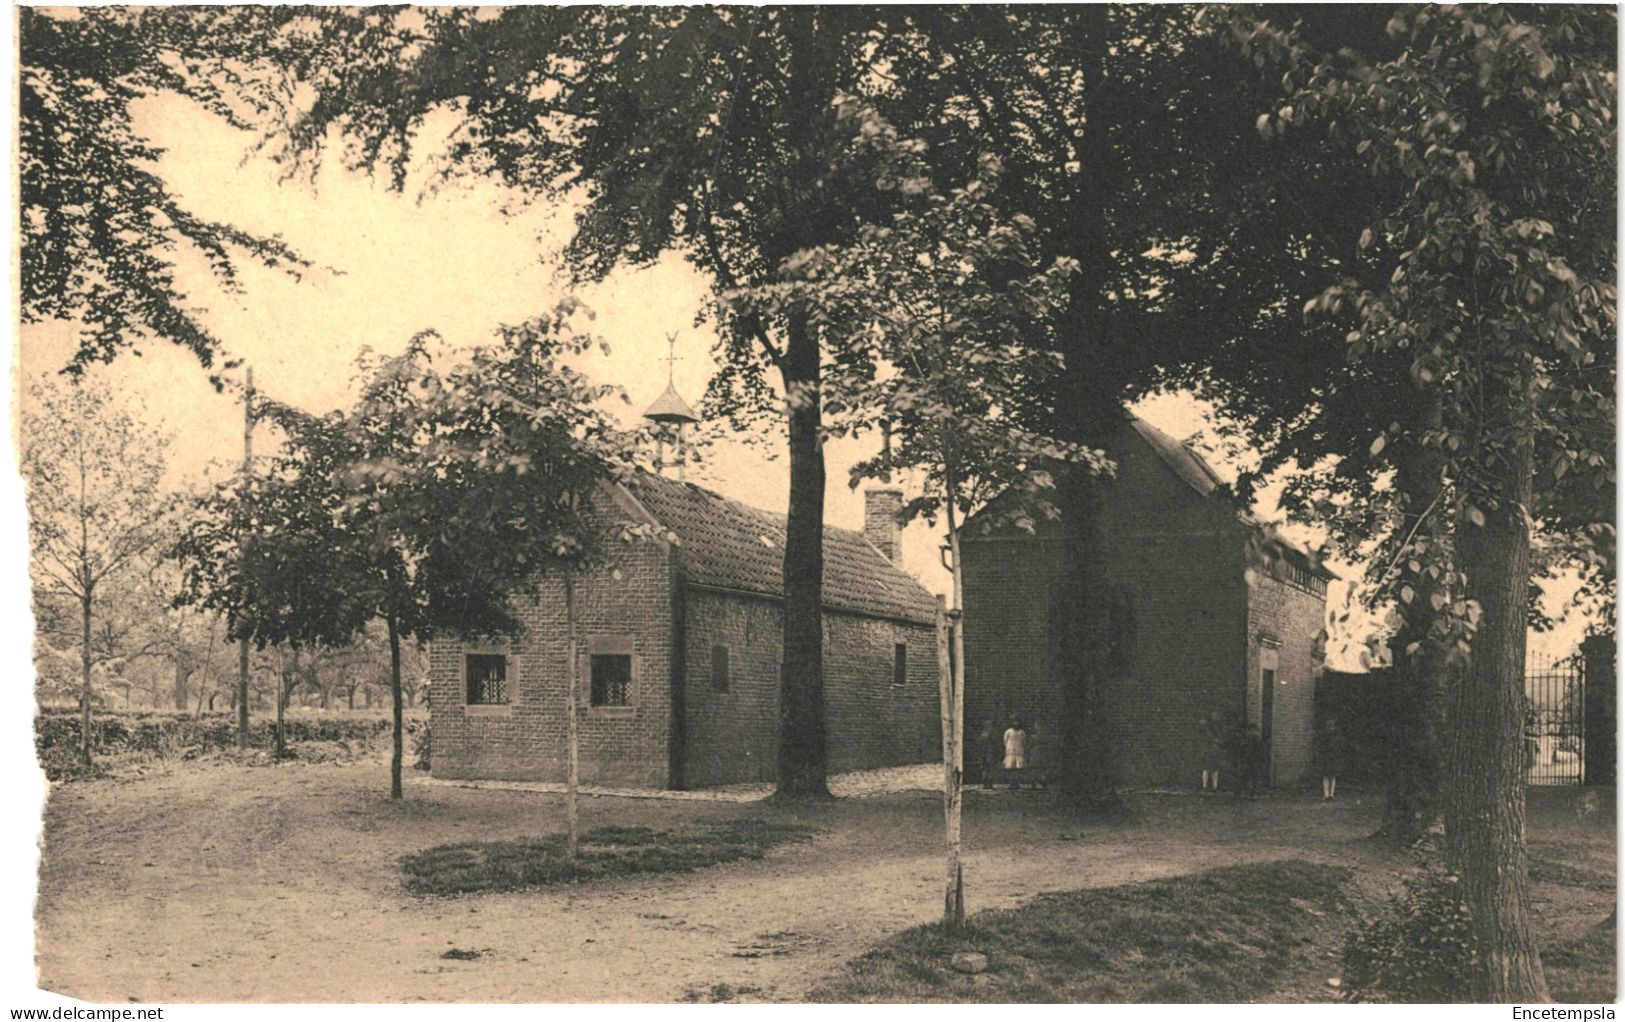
column 899, row 664
column 487, row 678
column 611, row 679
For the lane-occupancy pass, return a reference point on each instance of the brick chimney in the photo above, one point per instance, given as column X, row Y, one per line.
column 882, row 521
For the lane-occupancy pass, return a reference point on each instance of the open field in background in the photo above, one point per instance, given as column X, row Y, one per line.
column 241, row 883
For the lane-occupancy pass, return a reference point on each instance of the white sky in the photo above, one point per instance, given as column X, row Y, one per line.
column 452, row 262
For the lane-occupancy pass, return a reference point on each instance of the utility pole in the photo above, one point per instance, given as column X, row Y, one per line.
column 242, row 644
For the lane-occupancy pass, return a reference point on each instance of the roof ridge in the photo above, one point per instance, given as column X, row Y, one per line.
column 730, row 543
column 777, row 516
column 1197, row 458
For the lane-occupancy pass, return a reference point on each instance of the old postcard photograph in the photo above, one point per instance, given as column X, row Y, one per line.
column 969, row 504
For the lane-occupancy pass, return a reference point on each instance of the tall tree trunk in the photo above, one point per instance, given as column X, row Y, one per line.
column 1080, row 608
column 281, row 703
column 207, row 684
column 1484, row 795
column 242, row 645
column 395, row 697
column 181, row 677
column 953, row 703
column 572, row 712
column 802, row 760
column 953, row 900
column 281, row 729
column 1412, row 705
column 813, row 216
column 84, row 686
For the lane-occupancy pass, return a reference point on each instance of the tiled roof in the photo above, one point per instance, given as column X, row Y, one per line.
column 730, row 545
column 1196, row 473
column 670, row 407
column 1186, row 463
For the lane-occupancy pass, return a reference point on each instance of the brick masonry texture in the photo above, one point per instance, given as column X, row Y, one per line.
column 882, row 506
column 1185, row 628
column 525, row 740
column 1282, row 612
column 680, row 730
column 732, row 736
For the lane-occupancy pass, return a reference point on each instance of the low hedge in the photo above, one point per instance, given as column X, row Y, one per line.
column 159, row 733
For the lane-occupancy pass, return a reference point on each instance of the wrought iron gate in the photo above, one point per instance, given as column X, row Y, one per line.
column 1554, row 721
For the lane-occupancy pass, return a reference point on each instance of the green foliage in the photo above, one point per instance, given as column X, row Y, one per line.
column 940, row 323
column 101, row 232
column 1421, row 951
column 716, row 132
column 96, row 513
column 496, row 866
column 93, row 472
column 1480, row 282
column 1482, row 291
column 454, row 483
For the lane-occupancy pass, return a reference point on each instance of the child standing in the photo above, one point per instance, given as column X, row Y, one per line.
column 1213, row 751
column 1015, row 750
column 1330, row 753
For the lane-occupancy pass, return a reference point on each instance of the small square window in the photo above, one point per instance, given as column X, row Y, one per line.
column 719, row 668
column 899, row 664
column 611, row 679
column 487, row 678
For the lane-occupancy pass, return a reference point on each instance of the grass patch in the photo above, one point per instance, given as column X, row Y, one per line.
column 1580, row 970
column 718, row 993
column 1555, row 871
column 478, row 867
column 1226, row 935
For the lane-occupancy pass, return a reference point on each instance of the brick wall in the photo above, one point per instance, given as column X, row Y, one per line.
column 525, row 740
column 714, row 737
column 732, row 736
column 1280, row 611
column 882, row 525
column 1174, row 567
column 1008, row 673
column 1177, row 557
column 872, row 722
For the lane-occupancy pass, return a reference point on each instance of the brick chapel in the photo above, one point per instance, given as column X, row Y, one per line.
column 681, row 647
column 1214, row 612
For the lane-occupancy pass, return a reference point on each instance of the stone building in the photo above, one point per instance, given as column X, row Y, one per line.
column 1210, row 612
column 680, row 647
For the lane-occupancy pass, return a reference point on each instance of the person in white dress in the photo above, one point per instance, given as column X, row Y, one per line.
column 1015, row 747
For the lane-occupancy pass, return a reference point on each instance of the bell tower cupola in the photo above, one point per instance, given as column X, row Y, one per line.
column 672, row 416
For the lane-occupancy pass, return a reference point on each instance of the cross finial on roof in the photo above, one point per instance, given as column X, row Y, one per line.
column 671, row 356
column 669, row 407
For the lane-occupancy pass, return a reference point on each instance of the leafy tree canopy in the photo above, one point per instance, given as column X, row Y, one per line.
column 101, row 231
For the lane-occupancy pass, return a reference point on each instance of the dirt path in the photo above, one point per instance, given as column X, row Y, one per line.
column 224, row 884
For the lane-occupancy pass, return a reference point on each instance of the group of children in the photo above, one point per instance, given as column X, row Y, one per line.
column 1014, row 756
column 1243, row 750
column 1230, row 749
